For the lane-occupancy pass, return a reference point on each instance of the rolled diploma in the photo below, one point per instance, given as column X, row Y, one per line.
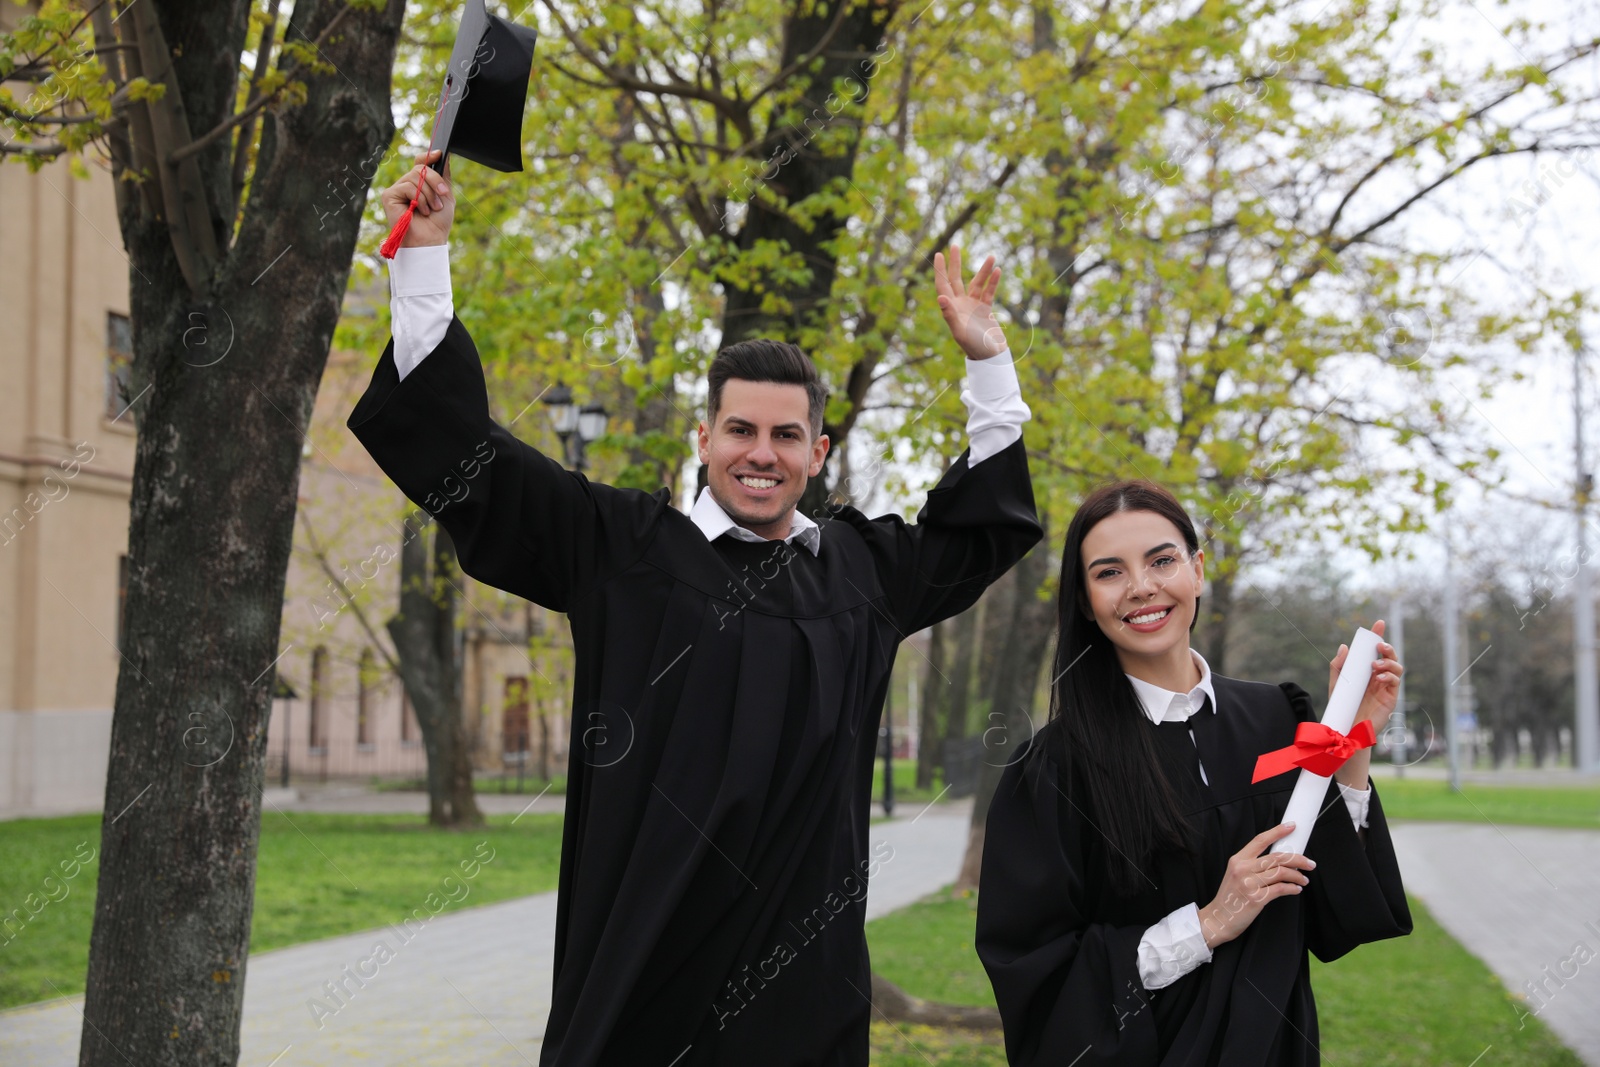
column 1306, row 801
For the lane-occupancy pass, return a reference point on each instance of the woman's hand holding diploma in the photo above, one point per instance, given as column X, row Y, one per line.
column 1251, row 882
column 1377, row 704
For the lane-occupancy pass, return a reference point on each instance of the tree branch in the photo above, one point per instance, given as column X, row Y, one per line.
column 788, row 72
column 250, row 110
column 320, row 554
column 737, row 111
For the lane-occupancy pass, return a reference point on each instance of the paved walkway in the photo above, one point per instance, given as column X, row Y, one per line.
column 474, row 987
column 1522, row 899
column 470, row 987
column 360, row 800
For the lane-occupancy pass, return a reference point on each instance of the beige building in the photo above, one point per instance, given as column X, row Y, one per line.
column 348, row 717
column 67, row 434
column 66, row 463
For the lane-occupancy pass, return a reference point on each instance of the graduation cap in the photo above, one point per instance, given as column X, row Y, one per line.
column 480, row 103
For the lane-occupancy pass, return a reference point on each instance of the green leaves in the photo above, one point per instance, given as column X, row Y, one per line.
column 1201, row 221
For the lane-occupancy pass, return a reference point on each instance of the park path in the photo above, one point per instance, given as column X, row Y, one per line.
column 474, row 986
column 1523, row 899
column 468, row 987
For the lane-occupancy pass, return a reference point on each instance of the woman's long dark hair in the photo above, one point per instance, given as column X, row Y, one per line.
column 1103, row 733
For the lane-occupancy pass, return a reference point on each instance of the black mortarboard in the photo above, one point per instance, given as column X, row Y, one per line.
column 480, row 102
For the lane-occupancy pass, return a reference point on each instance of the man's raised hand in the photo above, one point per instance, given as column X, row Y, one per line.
column 969, row 309
column 436, row 208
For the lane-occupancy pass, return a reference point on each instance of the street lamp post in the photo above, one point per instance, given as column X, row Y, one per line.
column 575, row 426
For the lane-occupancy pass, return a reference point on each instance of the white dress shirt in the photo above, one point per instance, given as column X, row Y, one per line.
column 421, row 304
column 1177, row 945
column 714, row 522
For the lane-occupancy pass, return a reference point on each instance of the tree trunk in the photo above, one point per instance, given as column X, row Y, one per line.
column 1012, row 722
column 965, row 638
column 225, row 375
column 424, row 635
column 898, row 1006
column 999, row 608
column 847, row 38
column 1215, row 608
column 934, row 693
column 655, row 454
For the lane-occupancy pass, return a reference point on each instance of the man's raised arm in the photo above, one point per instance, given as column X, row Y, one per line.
column 520, row 521
column 976, row 524
column 420, row 301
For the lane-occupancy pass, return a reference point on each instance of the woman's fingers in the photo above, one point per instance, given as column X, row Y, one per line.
column 1289, row 866
column 1285, row 859
column 1258, row 844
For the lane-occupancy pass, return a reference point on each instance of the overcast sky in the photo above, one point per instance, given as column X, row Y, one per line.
column 1529, row 223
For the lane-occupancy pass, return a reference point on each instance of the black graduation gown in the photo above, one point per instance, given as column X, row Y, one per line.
column 725, row 711
column 1060, row 947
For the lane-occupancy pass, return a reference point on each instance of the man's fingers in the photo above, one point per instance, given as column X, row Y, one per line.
column 954, row 271
column 941, row 283
column 430, row 184
column 979, row 277
column 980, row 281
column 994, row 284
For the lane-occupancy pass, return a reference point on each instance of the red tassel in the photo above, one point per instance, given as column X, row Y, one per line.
column 391, row 245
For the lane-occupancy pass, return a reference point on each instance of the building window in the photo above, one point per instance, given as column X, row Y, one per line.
column 119, row 367
column 318, row 732
column 365, row 683
column 514, row 719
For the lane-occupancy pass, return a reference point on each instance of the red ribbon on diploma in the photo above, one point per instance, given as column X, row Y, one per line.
column 1319, row 749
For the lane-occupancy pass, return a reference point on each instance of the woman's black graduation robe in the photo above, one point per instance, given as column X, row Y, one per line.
column 725, row 713
column 1061, row 948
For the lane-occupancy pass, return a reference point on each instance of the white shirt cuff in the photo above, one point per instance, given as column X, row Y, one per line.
column 420, row 271
column 995, row 408
column 421, row 303
column 1172, row 948
column 1356, row 802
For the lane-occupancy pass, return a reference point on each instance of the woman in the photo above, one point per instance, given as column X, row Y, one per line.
column 1130, row 910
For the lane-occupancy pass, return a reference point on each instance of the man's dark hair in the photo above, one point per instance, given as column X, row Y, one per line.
column 761, row 360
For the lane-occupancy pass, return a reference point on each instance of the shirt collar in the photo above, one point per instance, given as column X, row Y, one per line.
column 714, row 522
column 1163, row 705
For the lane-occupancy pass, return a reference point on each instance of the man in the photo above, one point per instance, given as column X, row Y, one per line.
column 731, row 665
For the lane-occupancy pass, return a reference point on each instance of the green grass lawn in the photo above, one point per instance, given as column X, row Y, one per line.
column 482, row 782
column 317, row 876
column 1403, row 798
column 906, row 794
column 1419, row 1001
column 1532, row 805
